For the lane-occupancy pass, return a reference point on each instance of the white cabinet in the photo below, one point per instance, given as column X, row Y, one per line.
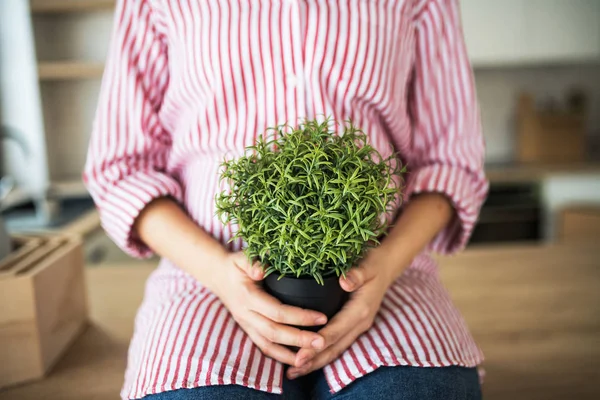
column 493, row 30
column 561, row 191
column 513, row 32
column 563, row 29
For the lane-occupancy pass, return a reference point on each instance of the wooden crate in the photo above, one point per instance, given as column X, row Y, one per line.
column 544, row 137
column 22, row 247
column 44, row 306
column 580, row 223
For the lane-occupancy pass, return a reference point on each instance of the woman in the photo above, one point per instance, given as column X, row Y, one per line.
column 188, row 83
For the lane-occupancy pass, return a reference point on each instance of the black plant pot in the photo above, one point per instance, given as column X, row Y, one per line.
column 306, row 293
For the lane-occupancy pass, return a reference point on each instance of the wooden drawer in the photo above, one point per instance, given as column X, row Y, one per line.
column 580, row 223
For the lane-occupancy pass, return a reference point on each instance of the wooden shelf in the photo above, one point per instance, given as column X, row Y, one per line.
column 519, row 173
column 84, row 226
column 58, row 189
column 61, row 6
column 16, row 197
column 69, row 70
column 67, row 189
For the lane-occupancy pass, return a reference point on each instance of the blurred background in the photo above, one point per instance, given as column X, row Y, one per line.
column 537, row 72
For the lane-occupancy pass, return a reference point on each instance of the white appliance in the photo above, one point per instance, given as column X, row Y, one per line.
column 20, row 101
column 5, row 243
column 5, row 247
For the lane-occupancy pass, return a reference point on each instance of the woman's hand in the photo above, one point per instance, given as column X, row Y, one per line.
column 423, row 218
column 368, row 284
column 167, row 229
column 260, row 315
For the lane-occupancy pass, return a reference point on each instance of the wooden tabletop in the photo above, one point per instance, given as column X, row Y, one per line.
column 534, row 310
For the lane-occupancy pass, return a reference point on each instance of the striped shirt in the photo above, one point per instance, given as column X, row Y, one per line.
column 189, row 82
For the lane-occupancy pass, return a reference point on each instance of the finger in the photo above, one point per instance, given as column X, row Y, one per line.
column 352, row 317
column 305, row 355
column 326, row 357
column 253, row 270
column 273, row 350
column 356, row 277
column 287, row 335
column 273, row 309
column 342, row 323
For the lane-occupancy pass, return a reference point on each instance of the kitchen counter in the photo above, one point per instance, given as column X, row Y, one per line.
column 517, row 173
column 535, row 310
column 76, row 216
column 88, row 223
column 84, row 226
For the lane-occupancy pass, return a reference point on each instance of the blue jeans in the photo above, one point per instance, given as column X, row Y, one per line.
column 389, row 383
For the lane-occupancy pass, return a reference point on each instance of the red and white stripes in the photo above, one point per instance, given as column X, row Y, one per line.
column 189, row 82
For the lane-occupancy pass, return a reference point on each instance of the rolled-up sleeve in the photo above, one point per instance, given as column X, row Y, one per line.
column 447, row 152
column 129, row 148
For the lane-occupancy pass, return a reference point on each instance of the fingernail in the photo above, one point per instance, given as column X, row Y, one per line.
column 351, row 282
column 317, row 343
column 293, row 375
column 322, row 320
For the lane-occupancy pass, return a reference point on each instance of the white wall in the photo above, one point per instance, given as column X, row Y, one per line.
column 531, row 32
column 498, row 89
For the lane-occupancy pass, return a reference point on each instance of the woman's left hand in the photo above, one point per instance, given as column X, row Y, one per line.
column 368, row 284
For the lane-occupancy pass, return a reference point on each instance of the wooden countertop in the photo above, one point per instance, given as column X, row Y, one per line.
column 85, row 225
column 534, row 310
column 516, row 173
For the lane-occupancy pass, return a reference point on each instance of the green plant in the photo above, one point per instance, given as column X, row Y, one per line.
column 310, row 202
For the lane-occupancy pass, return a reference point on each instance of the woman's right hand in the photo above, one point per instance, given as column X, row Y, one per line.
column 169, row 231
column 265, row 319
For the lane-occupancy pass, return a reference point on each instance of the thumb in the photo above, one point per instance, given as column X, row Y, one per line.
column 253, row 270
column 355, row 278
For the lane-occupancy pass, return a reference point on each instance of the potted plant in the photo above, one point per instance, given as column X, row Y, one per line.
column 309, row 204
